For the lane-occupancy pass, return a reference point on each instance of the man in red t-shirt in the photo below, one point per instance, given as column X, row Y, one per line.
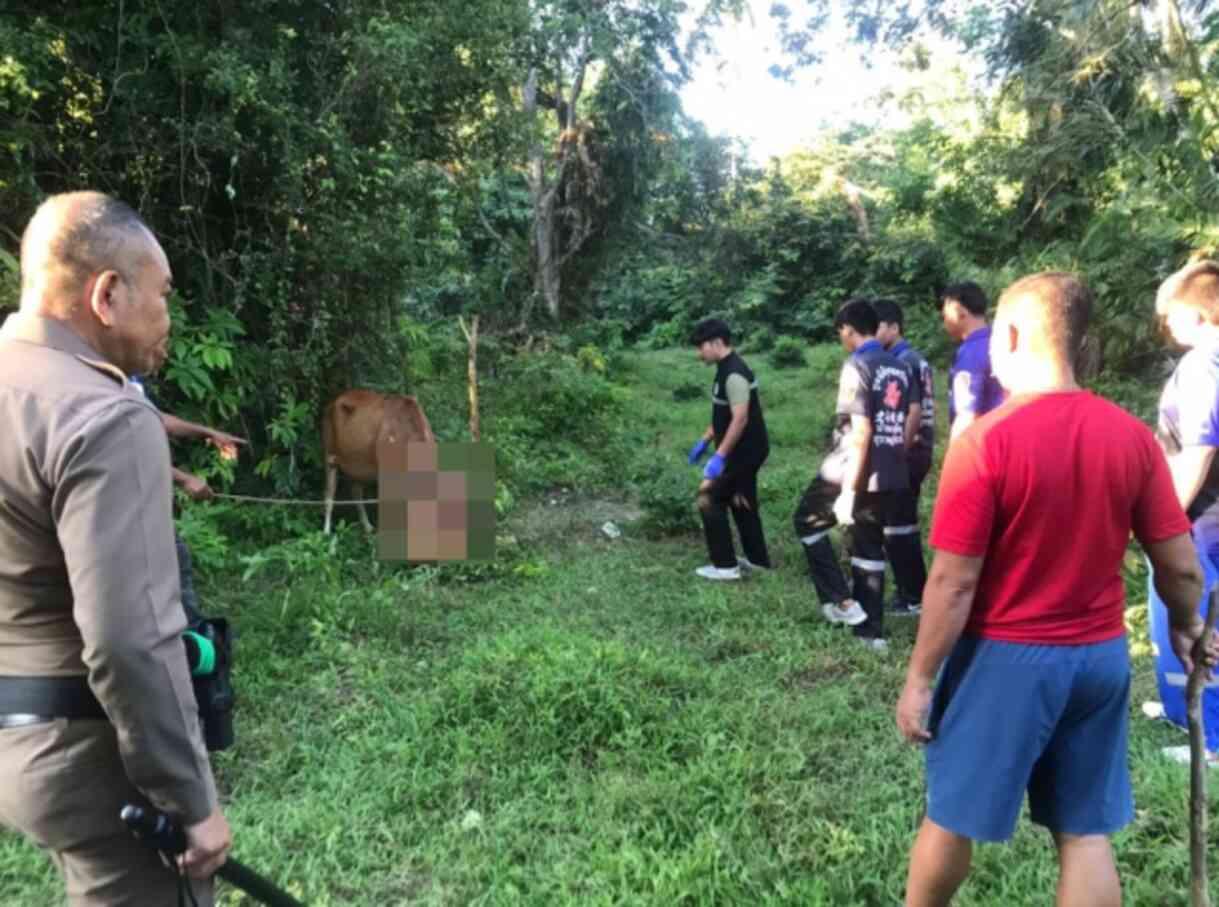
column 1024, row 609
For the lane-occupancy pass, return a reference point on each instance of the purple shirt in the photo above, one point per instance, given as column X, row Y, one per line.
column 972, row 386
column 1189, row 417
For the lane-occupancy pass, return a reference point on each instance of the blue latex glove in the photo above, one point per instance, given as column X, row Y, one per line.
column 714, row 468
column 697, row 451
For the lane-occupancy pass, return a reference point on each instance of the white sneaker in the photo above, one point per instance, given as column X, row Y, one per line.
column 848, row 613
column 710, row 571
column 746, row 564
column 876, row 644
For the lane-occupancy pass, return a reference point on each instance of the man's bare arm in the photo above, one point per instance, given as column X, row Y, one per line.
column 197, row 488
column 1179, row 583
column 960, row 423
column 180, row 428
column 857, row 446
column 1189, row 468
column 221, row 440
column 947, row 601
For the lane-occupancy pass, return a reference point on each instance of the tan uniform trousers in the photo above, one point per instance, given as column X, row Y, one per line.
column 62, row 785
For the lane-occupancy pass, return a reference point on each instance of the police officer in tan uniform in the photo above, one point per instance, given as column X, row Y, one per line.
column 96, row 703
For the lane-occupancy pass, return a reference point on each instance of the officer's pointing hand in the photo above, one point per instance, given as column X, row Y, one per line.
column 225, row 443
column 207, row 846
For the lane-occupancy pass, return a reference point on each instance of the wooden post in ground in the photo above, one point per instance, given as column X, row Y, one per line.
column 1198, row 765
column 472, row 372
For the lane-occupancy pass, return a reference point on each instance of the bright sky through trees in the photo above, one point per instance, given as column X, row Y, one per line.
column 734, row 93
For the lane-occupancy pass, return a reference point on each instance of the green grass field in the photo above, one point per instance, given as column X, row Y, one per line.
column 599, row 726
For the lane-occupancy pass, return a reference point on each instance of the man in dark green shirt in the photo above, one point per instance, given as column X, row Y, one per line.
column 730, row 478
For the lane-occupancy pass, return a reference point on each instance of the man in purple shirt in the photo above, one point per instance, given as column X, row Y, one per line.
column 973, row 389
column 1188, row 431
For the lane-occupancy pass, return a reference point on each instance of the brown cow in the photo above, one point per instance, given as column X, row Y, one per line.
column 354, row 424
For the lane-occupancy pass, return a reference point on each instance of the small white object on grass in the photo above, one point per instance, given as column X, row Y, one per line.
column 471, row 820
column 1154, row 710
column 610, row 530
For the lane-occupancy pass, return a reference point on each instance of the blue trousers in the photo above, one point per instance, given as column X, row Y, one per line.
column 1170, row 676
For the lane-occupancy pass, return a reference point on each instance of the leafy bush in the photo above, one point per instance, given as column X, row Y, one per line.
column 763, row 341
column 552, row 422
column 549, row 397
column 10, row 281
column 666, row 334
column 688, row 390
column 668, row 505
column 590, row 359
column 787, row 353
column 202, row 531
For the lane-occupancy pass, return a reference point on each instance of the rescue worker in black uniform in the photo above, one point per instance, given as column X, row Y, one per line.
column 904, row 542
column 730, row 478
column 859, row 481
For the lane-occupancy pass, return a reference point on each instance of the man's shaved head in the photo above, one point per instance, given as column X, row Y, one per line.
column 90, row 262
column 1053, row 310
column 72, row 237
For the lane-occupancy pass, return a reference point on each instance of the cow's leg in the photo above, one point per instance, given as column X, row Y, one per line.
column 358, row 491
column 332, row 481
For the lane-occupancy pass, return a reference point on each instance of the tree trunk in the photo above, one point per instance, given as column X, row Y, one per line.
column 548, row 279
column 547, row 282
column 855, row 203
column 472, row 374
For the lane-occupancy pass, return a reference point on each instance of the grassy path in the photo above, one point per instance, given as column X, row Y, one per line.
column 602, row 728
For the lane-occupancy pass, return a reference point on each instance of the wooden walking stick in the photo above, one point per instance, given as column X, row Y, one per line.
column 1199, row 885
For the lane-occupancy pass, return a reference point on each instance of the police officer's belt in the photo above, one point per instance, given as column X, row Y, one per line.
column 50, row 697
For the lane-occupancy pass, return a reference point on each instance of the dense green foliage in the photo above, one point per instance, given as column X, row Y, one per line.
column 336, row 182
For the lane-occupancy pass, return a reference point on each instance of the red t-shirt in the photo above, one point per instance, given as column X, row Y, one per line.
column 1048, row 489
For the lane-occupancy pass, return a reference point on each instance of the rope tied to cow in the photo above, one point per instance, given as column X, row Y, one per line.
column 300, row 502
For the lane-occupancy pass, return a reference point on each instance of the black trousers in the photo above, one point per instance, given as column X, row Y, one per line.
column 186, row 579
column 904, row 542
column 865, row 544
column 735, row 490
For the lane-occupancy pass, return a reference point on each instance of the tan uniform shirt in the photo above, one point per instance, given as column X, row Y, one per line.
column 88, row 569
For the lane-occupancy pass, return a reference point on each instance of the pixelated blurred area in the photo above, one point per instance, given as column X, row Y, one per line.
column 436, row 501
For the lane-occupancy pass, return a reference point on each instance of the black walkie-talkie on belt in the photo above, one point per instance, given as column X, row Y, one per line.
column 209, row 652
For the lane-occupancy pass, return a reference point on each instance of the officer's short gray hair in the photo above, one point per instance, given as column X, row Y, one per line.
column 75, row 235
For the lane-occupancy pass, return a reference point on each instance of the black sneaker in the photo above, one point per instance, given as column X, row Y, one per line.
column 903, row 608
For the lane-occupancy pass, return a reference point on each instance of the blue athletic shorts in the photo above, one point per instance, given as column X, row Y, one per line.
column 1007, row 718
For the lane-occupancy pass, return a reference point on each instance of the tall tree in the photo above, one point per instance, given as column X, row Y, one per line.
column 570, row 43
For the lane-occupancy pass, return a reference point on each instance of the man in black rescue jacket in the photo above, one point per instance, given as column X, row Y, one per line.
column 860, row 481
column 730, row 478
